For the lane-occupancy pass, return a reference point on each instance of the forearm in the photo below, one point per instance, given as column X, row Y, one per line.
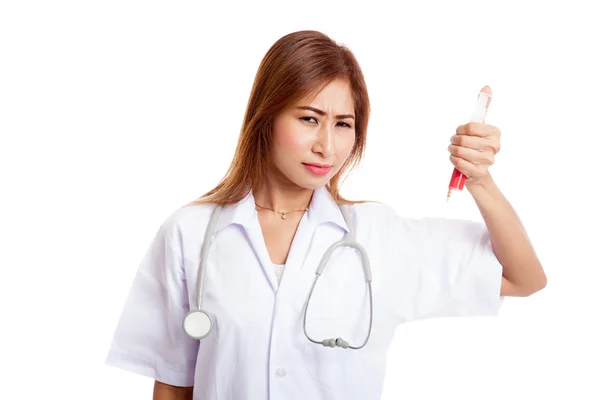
column 510, row 241
column 163, row 391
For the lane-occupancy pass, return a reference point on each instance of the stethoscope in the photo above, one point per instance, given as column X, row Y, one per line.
column 198, row 323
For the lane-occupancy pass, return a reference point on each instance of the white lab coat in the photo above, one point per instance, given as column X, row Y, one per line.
column 421, row 268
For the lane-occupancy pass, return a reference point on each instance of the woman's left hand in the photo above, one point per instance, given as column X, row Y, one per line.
column 472, row 151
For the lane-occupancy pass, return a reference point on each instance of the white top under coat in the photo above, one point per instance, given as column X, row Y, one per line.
column 421, row 268
column 278, row 271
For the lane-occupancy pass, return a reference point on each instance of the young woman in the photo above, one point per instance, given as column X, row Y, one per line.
column 247, row 253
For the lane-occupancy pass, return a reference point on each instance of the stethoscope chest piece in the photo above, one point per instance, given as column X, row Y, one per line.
column 197, row 324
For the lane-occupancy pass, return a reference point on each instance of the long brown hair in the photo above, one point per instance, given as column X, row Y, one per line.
column 298, row 64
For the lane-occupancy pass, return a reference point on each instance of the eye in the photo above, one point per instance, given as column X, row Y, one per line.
column 307, row 119
column 311, row 119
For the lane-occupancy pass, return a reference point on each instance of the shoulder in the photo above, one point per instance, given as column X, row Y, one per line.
column 386, row 217
column 372, row 216
column 186, row 221
column 370, row 211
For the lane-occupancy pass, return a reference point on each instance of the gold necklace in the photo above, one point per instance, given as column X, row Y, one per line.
column 283, row 214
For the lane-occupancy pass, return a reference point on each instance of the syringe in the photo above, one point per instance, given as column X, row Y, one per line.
column 457, row 182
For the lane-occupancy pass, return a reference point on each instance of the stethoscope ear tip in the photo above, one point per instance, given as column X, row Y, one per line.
column 339, row 342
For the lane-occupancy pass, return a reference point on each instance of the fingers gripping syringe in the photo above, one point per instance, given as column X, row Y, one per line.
column 457, row 182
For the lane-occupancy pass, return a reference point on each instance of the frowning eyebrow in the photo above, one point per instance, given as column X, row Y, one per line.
column 323, row 113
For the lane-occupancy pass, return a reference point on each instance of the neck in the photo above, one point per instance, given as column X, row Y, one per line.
column 282, row 197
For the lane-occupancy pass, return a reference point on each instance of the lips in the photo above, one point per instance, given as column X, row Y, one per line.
column 318, row 165
column 318, row 169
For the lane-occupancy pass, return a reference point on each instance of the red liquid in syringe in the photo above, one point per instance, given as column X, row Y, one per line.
column 457, row 182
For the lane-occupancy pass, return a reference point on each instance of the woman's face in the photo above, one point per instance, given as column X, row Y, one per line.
column 313, row 140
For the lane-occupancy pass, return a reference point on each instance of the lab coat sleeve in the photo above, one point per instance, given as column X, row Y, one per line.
column 149, row 338
column 448, row 268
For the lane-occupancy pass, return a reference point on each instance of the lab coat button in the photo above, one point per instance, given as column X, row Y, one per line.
column 281, row 372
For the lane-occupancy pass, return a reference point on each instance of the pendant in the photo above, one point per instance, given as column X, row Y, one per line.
column 283, row 216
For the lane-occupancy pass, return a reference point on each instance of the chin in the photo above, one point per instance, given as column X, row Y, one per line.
column 313, row 184
column 310, row 182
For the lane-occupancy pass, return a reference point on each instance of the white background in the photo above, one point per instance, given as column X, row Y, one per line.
column 115, row 113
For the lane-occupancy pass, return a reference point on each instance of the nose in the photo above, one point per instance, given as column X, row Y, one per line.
column 324, row 141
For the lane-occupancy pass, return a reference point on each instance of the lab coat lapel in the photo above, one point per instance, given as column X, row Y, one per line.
column 305, row 253
column 244, row 214
column 300, row 249
column 256, row 238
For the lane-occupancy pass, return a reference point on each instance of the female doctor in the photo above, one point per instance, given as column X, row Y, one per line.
column 274, row 286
